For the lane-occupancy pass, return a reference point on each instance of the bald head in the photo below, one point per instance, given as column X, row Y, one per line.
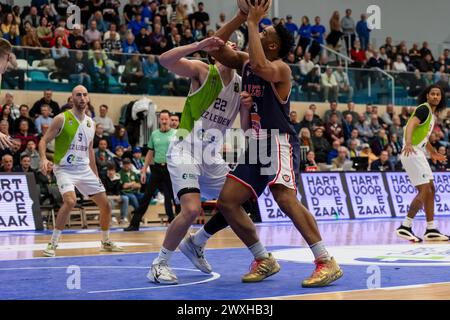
column 80, row 98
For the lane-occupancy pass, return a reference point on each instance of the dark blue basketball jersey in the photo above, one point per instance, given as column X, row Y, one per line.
column 268, row 112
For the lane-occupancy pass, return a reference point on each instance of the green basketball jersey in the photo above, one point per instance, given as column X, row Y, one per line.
column 422, row 132
column 73, row 140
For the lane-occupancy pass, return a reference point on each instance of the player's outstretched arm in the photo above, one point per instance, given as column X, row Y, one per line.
column 51, row 134
column 174, row 60
column 272, row 71
column 226, row 55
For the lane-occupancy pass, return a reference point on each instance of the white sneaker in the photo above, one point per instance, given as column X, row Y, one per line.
column 160, row 198
column 110, row 246
column 114, row 220
column 50, row 251
column 161, row 273
column 196, row 254
column 125, row 220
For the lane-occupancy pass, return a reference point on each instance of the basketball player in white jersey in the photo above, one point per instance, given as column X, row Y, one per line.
column 211, row 107
column 75, row 166
column 5, row 51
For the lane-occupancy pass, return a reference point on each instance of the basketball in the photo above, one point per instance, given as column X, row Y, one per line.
column 243, row 4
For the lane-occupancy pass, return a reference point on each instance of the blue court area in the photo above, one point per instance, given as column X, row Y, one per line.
column 123, row 276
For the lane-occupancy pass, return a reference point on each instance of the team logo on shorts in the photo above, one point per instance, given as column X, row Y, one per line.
column 286, row 178
column 70, row 159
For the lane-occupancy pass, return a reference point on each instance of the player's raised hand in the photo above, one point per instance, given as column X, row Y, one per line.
column 5, row 141
column 246, row 100
column 211, row 44
column 258, row 10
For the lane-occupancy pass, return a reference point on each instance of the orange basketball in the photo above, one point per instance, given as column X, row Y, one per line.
column 243, row 4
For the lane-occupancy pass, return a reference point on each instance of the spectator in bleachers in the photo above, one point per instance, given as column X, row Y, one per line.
column 366, row 152
column 334, row 152
column 120, row 138
column 198, row 32
column 310, row 122
column 396, row 144
column 129, row 45
column 187, row 37
column 201, row 16
column 106, row 122
column 425, row 50
column 440, row 166
column 334, row 129
column 13, row 35
column 78, row 70
column 137, row 24
column 7, row 163
column 130, row 184
column 103, row 157
column 25, row 135
column 46, row 180
column 222, row 21
column 311, row 83
column 387, row 117
column 444, row 84
column 306, row 65
column 32, row 17
column 5, row 116
column 61, row 56
column 60, row 32
column 30, row 39
column 426, row 64
column 321, row 145
column 363, row 32
column 341, row 162
column 438, row 73
column 359, row 60
column 375, row 124
column 323, row 63
column 351, row 110
column 99, row 71
column 348, row 29
column 92, row 34
column 304, row 33
column 151, row 72
column 130, row 10
column 13, row 151
column 75, row 35
column 9, row 101
column 294, row 121
column 318, row 34
column 99, row 135
column 396, row 127
column 100, row 23
column 333, row 109
column 33, row 154
column 113, row 188
column 305, row 139
column 50, row 15
column 343, row 82
column 364, row 129
column 329, row 86
column 416, row 85
column 43, row 118
column 354, row 136
column 382, row 164
column 404, row 116
column 133, row 73
column 309, row 165
column 4, row 127
column 137, row 161
column 16, row 12
column 44, row 32
column 143, row 41
column 23, row 109
column 48, row 100
column 353, row 148
column 118, row 154
column 434, row 140
column 14, row 76
column 335, row 31
column 379, row 142
column 291, row 26
column 347, row 126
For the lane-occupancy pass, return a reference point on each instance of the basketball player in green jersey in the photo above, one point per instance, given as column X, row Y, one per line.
column 196, row 166
column 416, row 145
column 5, row 51
column 75, row 166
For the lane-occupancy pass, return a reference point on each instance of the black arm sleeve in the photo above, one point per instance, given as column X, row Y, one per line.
column 422, row 113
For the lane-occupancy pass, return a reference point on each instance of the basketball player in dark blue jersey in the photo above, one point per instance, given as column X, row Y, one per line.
column 268, row 79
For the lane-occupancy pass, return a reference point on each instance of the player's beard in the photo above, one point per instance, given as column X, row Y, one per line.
column 80, row 108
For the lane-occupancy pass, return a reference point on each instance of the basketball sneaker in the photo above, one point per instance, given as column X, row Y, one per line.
column 110, row 246
column 326, row 272
column 50, row 251
column 160, row 272
column 407, row 234
column 196, row 254
column 435, row 235
column 261, row 269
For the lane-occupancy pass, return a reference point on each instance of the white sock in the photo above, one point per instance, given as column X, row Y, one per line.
column 55, row 237
column 407, row 222
column 319, row 251
column 105, row 235
column 430, row 225
column 164, row 255
column 200, row 237
column 259, row 251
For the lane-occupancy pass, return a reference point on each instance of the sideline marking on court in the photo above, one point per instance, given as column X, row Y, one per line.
column 414, row 286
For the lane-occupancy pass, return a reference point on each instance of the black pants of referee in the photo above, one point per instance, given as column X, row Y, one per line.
column 160, row 179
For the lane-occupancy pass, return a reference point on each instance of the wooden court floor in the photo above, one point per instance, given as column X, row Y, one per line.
column 336, row 234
